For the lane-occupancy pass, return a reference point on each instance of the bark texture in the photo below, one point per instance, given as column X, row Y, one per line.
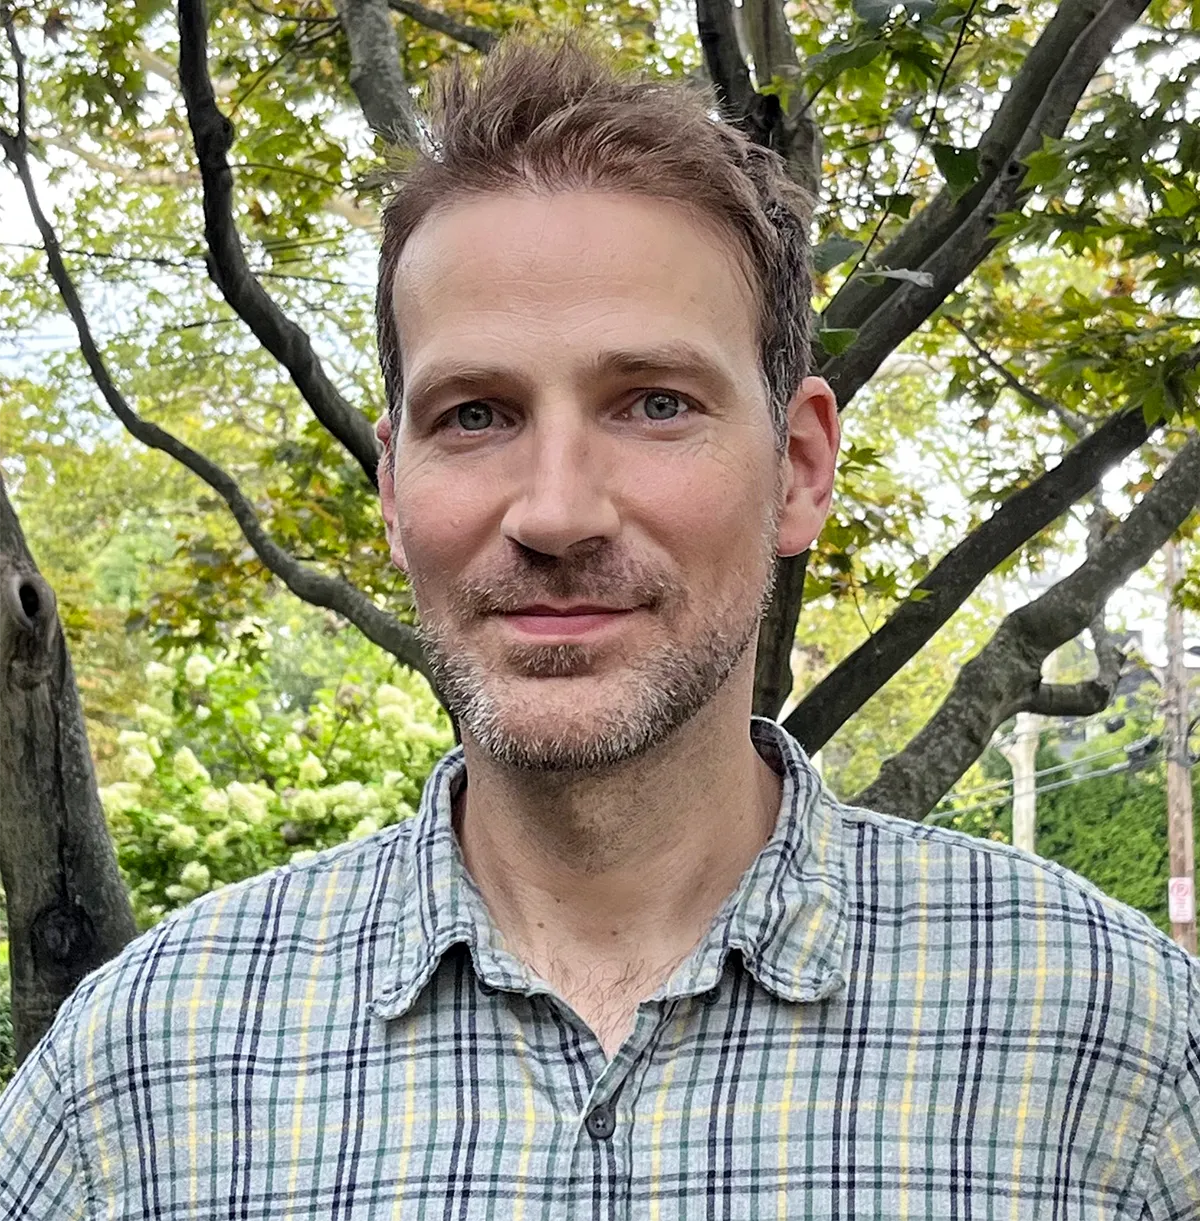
column 375, row 73
column 469, row 35
column 776, row 636
column 68, row 912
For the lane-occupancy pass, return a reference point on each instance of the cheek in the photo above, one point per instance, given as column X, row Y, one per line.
column 441, row 518
column 713, row 518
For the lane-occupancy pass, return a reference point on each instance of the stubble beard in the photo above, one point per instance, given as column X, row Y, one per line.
column 650, row 699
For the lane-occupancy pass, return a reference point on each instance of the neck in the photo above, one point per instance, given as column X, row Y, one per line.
column 625, row 867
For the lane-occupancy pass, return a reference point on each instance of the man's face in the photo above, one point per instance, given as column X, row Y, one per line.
column 587, row 494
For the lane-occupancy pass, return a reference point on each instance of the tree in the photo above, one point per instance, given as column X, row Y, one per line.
column 67, row 908
column 1008, row 204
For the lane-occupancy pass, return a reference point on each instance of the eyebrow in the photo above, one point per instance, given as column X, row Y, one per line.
column 669, row 357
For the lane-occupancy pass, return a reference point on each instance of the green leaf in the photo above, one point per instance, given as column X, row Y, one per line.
column 1043, row 168
column 1189, row 139
column 958, row 166
column 899, row 204
column 840, row 57
column 836, row 339
column 874, row 12
column 834, row 251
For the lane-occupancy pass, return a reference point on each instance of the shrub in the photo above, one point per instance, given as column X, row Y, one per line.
column 7, row 1049
column 226, row 770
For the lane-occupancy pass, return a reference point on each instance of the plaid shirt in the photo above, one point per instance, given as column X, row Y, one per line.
column 886, row 1020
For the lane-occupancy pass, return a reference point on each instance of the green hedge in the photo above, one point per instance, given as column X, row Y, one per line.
column 1113, row 831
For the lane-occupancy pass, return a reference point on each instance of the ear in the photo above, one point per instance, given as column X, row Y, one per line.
column 387, row 490
column 810, row 462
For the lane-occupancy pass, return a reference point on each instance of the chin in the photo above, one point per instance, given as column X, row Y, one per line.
column 577, row 724
column 569, row 708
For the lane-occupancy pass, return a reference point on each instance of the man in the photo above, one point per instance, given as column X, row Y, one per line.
column 629, row 959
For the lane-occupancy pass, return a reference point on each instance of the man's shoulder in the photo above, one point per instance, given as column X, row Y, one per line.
column 941, row 875
column 278, row 924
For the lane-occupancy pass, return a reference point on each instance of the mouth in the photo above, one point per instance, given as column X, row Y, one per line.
column 569, row 622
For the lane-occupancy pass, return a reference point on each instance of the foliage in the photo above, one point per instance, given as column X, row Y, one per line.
column 830, row 629
column 245, row 758
column 7, row 1050
column 1109, row 827
column 1094, row 271
column 1113, row 831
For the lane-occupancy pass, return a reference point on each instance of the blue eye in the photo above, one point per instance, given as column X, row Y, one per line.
column 659, row 405
column 474, row 417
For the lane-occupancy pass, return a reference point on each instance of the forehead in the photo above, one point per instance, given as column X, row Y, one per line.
column 557, row 276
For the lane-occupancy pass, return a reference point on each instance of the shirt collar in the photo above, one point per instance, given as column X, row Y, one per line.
column 787, row 917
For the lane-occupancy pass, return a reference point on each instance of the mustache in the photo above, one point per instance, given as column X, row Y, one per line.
column 607, row 580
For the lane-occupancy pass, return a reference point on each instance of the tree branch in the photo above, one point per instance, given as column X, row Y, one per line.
column 314, row 587
column 375, row 73
column 341, row 204
column 154, row 176
column 1005, row 676
column 1075, row 422
column 723, row 58
column 469, row 35
column 1092, row 695
column 212, row 134
column 1040, row 102
column 911, row 304
column 835, row 699
column 949, row 238
column 764, row 26
column 17, row 141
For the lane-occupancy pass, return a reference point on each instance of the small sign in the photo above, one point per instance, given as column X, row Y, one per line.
column 1181, row 900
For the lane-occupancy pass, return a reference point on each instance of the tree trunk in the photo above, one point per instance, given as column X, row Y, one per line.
column 777, row 636
column 68, row 911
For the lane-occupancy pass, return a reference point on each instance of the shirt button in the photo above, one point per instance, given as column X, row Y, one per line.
column 601, row 1122
column 711, row 997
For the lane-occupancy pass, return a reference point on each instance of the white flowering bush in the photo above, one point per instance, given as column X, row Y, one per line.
column 227, row 771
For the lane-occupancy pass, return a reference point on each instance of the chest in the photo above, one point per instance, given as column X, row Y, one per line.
column 730, row 1105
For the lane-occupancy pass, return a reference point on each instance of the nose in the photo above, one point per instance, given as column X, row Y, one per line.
column 563, row 498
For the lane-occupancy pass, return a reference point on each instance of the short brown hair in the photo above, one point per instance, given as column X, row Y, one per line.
column 550, row 115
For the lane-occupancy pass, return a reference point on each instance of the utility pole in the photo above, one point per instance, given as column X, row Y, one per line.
column 1021, row 754
column 1181, row 890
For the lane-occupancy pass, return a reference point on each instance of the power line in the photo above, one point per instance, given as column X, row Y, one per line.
column 946, row 815
column 1131, row 764
column 192, row 263
column 1058, row 767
